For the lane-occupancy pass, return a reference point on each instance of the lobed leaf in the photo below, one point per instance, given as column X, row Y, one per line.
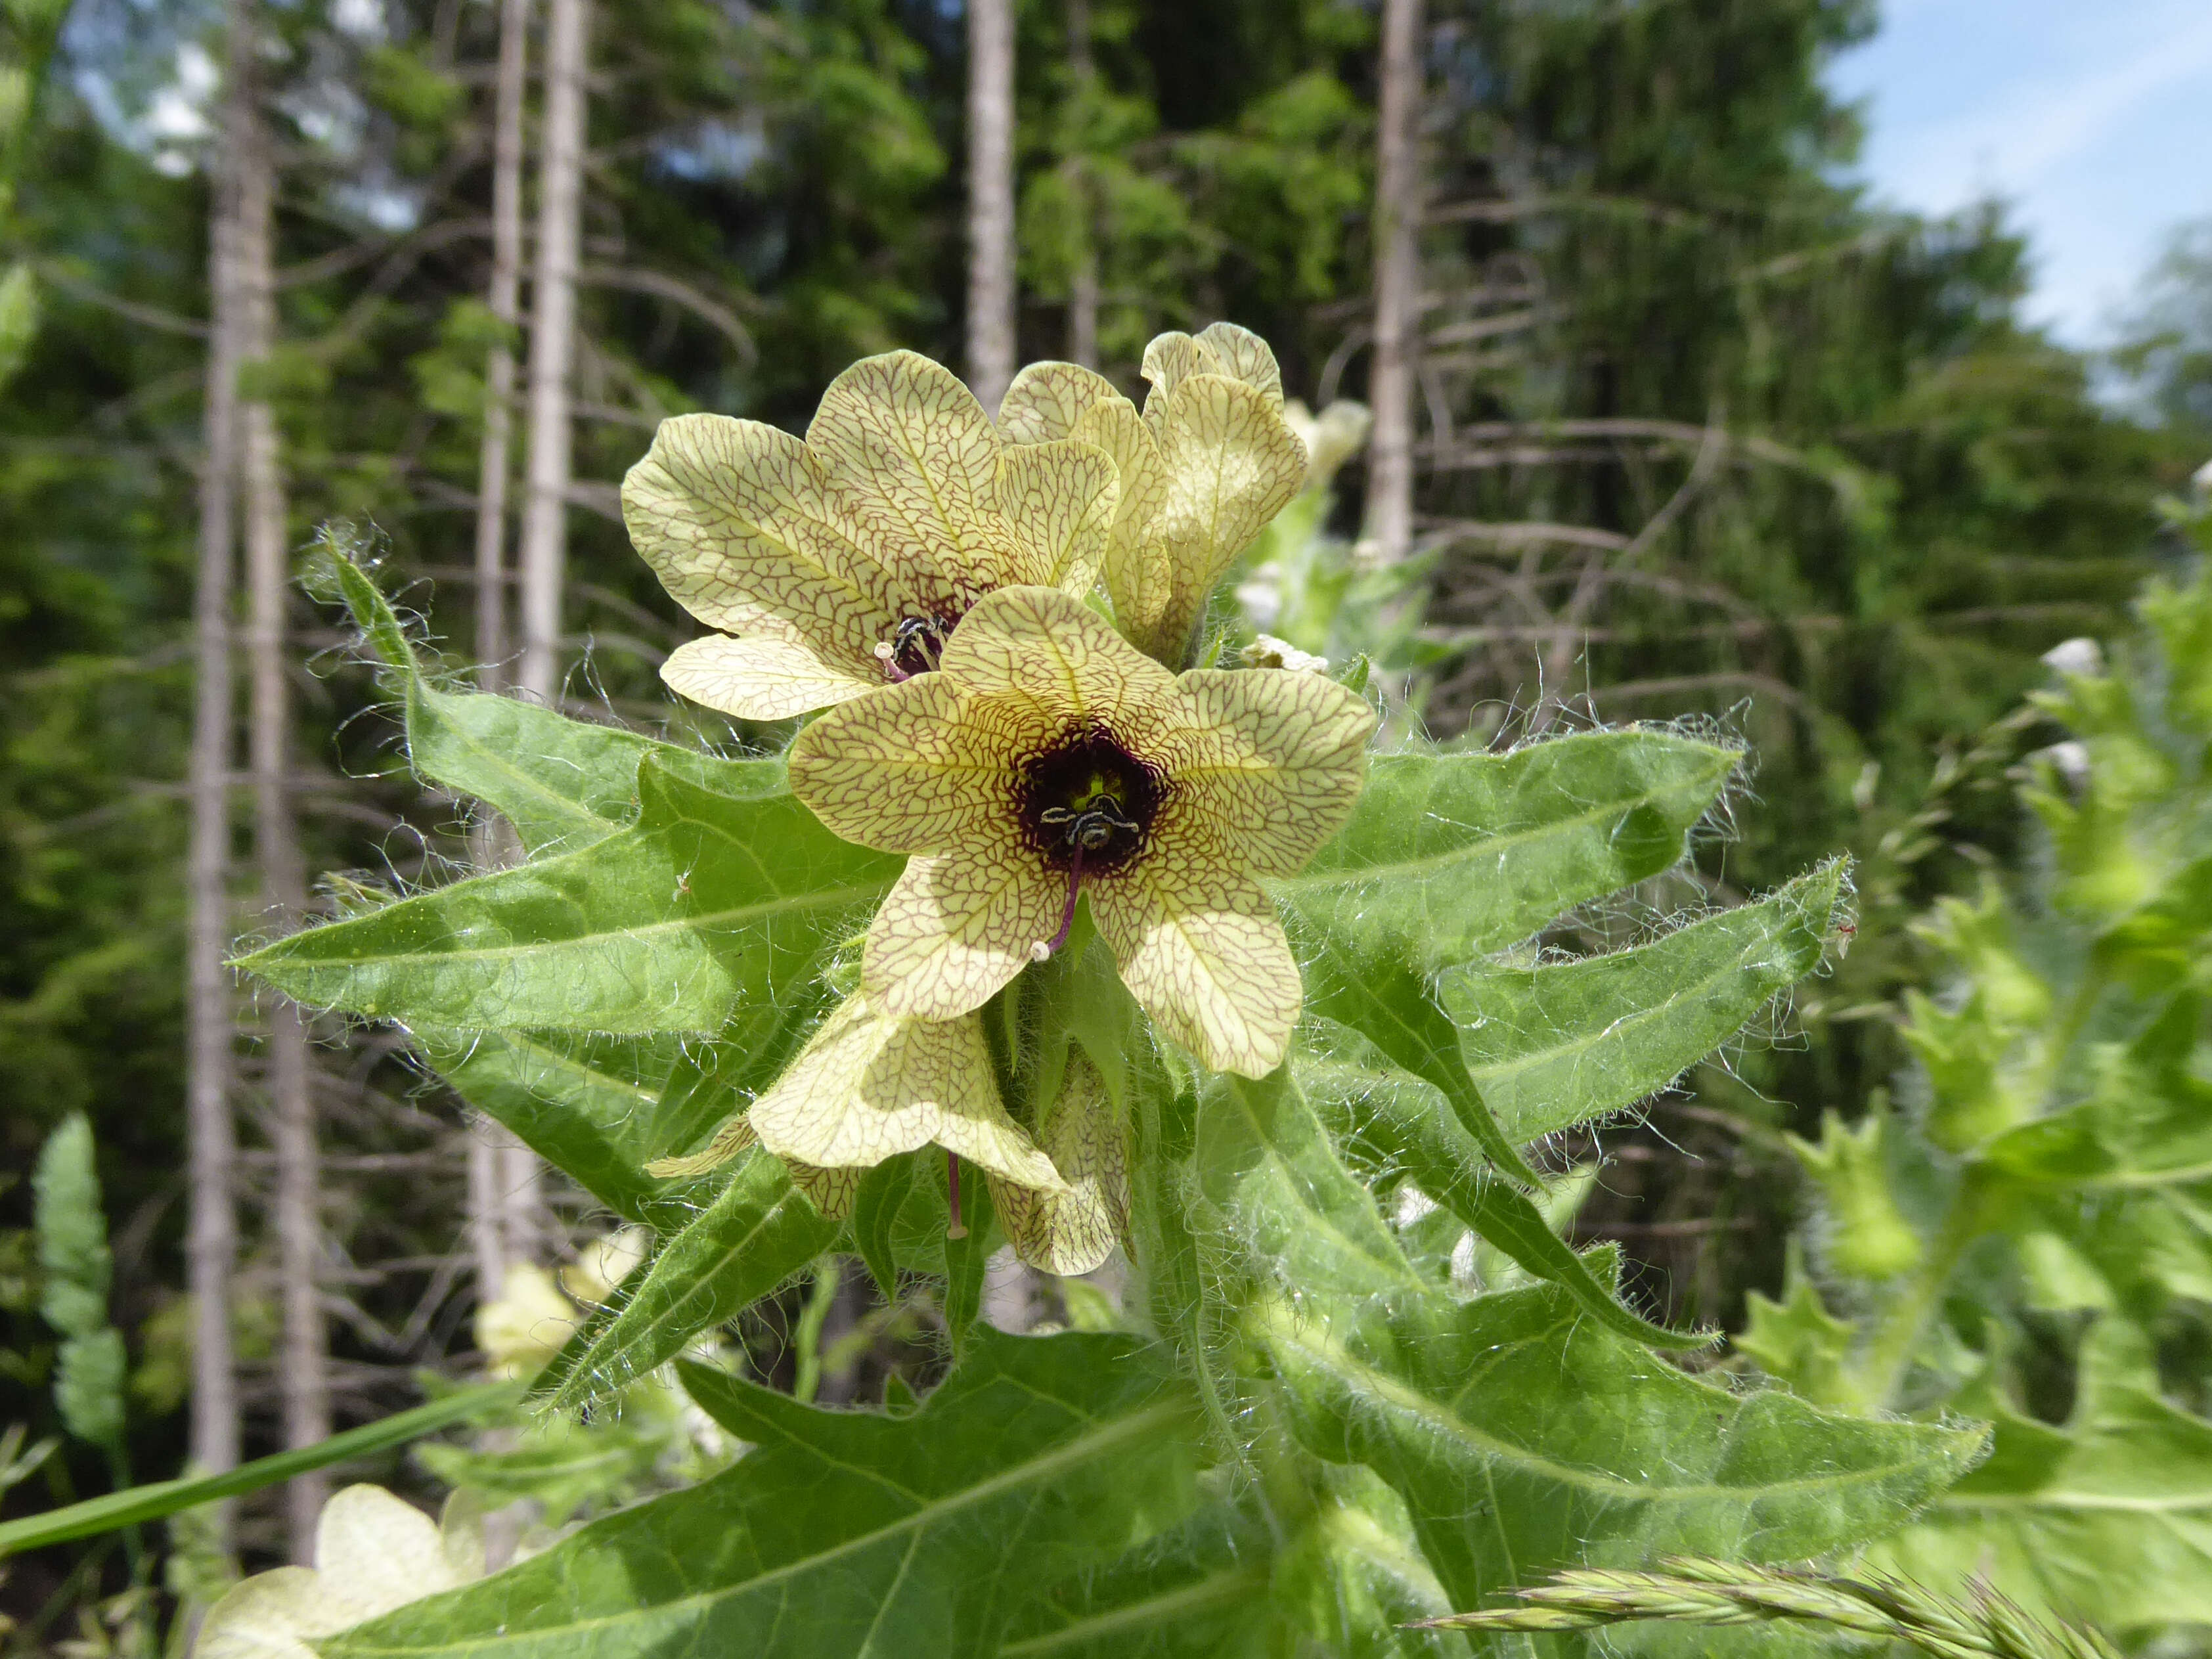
column 2107, row 1518
column 562, row 783
column 758, row 1231
column 1525, row 1436
column 703, row 906
column 1449, row 856
column 1557, row 1044
column 850, row 1532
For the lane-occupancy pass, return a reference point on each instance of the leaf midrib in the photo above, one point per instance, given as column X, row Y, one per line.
column 820, row 898
column 1482, row 846
column 1040, row 1467
column 1222, row 1589
column 1614, row 1029
column 1393, row 1394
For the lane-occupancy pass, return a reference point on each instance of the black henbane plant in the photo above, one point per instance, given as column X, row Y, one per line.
column 1179, row 968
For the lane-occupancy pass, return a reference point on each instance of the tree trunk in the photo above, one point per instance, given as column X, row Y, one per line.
column 990, row 198
column 208, row 1005
column 492, row 1148
column 545, row 520
column 1082, row 281
column 303, row 1367
column 1389, row 526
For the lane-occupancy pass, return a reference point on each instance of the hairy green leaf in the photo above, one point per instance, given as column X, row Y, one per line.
column 1561, row 1043
column 563, row 784
column 759, row 1231
column 1374, row 988
column 1265, row 1160
column 1404, row 1128
column 1525, row 1436
column 877, row 1201
column 2108, row 1518
column 600, row 1108
column 704, row 906
column 848, row 1532
column 1453, row 855
column 1200, row 1592
column 588, row 1105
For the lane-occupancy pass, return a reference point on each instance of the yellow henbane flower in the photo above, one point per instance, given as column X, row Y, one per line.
column 1209, row 462
column 1049, row 758
column 845, row 561
column 868, row 1086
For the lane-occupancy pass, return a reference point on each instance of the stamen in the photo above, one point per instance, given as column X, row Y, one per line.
column 887, row 654
column 957, row 1228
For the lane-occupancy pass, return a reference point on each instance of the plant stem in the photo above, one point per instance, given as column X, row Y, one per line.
column 819, row 1301
column 1890, row 1352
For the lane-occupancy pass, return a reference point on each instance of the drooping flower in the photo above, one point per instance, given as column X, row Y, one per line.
column 1048, row 759
column 1072, row 1228
column 837, row 564
column 869, row 1086
column 1210, row 461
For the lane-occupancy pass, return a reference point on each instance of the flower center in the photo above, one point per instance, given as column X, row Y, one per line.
column 915, row 647
column 1085, row 803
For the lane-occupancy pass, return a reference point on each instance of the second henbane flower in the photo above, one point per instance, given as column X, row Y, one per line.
column 1049, row 759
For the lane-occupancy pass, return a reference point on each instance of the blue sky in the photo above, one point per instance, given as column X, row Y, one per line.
column 2092, row 117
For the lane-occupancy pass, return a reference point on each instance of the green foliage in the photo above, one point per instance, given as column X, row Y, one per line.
column 671, row 925
column 759, row 1231
column 1380, row 1437
column 73, row 1254
column 1032, row 1458
column 2023, row 1238
column 1463, row 1416
column 1549, row 1040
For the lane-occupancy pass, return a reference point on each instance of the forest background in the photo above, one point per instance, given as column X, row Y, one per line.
column 1670, row 422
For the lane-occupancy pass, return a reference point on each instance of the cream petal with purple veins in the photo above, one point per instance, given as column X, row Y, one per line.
column 1049, row 758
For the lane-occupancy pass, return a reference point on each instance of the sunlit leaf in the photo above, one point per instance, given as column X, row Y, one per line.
column 562, row 783
column 1523, row 1436
column 843, row 1532
column 758, row 1231
column 1561, row 1043
column 704, row 905
column 1452, row 855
